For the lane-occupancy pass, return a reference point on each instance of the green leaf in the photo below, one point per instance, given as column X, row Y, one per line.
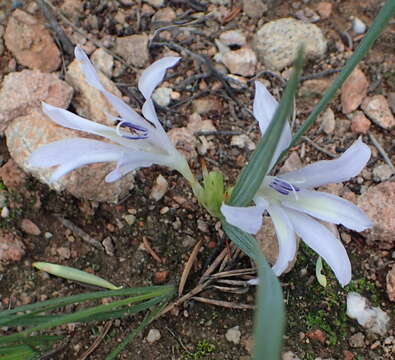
column 252, row 175
column 18, row 352
column 84, row 314
column 270, row 313
column 321, row 278
column 148, row 319
column 211, row 195
column 70, row 273
column 75, row 299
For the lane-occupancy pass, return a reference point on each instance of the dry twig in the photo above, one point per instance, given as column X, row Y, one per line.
column 188, row 267
column 97, row 341
column 225, row 304
column 79, row 232
column 151, row 251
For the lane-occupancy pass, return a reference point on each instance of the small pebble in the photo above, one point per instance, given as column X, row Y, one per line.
column 153, row 336
column 5, row 212
column 233, row 335
column 130, row 219
column 358, row 26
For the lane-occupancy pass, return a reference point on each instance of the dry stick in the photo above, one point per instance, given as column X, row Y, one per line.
column 97, row 341
column 381, row 151
column 233, row 290
column 186, row 297
column 79, row 232
column 222, row 303
column 88, row 37
column 319, row 148
column 150, row 250
column 213, row 266
column 231, row 273
column 188, row 267
column 66, row 43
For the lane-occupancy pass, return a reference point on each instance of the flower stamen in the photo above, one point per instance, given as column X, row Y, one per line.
column 140, row 131
column 283, row 187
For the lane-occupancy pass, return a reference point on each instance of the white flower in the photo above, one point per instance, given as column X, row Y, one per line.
column 292, row 204
column 137, row 141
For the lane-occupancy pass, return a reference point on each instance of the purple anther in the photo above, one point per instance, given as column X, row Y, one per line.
column 141, row 132
column 282, row 186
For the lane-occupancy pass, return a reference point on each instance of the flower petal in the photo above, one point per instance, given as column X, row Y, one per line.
column 132, row 161
column 248, row 219
column 154, row 74
column 264, row 108
column 323, row 242
column 84, row 159
column 67, row 150
column 69, row 120
column 286, row 238
column 348, row 165
column 329, row 208
column 124, row 110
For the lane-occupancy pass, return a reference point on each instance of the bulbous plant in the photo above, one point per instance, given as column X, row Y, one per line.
column 138, row 141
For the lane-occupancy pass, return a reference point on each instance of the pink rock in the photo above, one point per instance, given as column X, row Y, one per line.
column 27, row 133
column 204, row 105
column 196, row 124
column 184, row 141
column 134, row 49
column 31, row 43
column 324, row 9
column 390, row 278
column 378, row 202
column 29, row 227
column 377, row 109
column 165, row 15
column 12, row 176
column 292, row 163
column 360, row 124
column 11, row 248
column 354, row 90
column 240, row 62
column 22, row 92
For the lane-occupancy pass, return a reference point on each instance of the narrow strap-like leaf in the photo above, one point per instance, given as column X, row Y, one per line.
column 252, row 175
column 270, row 314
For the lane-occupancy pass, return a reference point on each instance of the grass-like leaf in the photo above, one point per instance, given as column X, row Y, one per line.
column 252, row 175
column 270, row 313
column 70, row 273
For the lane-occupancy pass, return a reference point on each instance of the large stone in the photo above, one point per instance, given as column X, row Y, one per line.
column 378, row 202
column 377, row 109
column 11, row 248
column 22, row 92
column 88, row 101
column 31, row 43
column 277, row 42
column 26, row 134
column 354, row 90
column 134, row 49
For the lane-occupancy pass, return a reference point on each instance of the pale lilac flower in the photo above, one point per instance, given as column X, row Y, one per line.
column 136, row 141
column 293, row 205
